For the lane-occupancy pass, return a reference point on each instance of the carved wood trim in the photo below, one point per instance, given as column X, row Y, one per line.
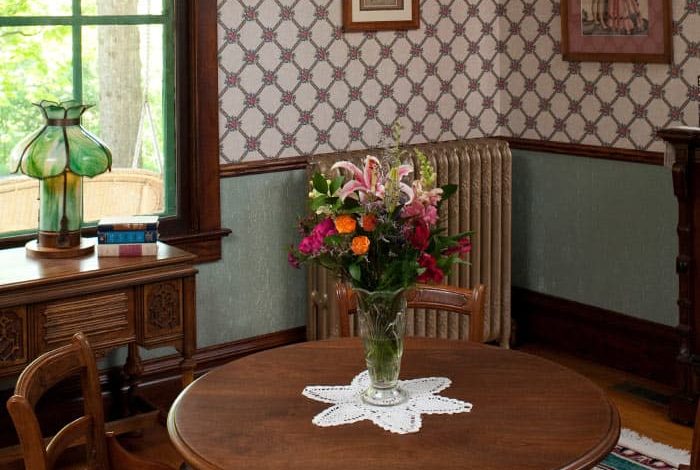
column 13, row 336
column 106, row 319
column 686, row 188
column 163, row 308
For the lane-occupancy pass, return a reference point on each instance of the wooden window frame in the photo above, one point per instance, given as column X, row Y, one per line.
column 197, row 225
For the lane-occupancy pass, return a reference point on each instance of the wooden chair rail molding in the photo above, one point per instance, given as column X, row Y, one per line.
column 590, row 151
column 230, row 170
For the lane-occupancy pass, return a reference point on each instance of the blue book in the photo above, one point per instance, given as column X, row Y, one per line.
column 134, row 222
column 127, row 236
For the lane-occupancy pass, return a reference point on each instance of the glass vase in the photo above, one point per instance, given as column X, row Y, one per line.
column 382, row 319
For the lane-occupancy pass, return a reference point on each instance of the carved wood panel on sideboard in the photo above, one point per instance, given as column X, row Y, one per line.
column 136, row 301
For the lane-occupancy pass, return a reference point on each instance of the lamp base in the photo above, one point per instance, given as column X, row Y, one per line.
column 86, row 247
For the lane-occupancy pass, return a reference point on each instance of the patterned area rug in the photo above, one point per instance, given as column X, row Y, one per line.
column 635, row 452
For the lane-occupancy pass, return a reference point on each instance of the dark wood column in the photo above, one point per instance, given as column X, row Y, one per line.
column 685, row 165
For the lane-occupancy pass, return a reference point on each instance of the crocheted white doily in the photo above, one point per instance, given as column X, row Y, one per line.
column 348, row 406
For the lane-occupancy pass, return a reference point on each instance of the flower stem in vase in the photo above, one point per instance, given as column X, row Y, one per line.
column 382, row 316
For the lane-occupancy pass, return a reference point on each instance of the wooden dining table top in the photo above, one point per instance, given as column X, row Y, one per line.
column 528, row 413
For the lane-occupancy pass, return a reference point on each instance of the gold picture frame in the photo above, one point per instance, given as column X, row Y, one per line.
column 617, row 31
column 380, row 15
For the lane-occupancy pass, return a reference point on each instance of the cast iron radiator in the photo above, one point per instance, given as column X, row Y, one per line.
column 482, row 170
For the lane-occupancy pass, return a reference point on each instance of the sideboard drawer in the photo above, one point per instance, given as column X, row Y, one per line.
column 13, row 336
column 106, row 318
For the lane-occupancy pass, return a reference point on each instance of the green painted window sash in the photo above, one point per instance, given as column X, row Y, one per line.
column 77, row 20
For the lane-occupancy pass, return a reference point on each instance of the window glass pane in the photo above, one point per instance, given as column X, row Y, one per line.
column 42, row 69
column 122, row 7
column 35, row 7
column 123, row 77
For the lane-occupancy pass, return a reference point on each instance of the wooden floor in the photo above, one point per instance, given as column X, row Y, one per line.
column 639, row 401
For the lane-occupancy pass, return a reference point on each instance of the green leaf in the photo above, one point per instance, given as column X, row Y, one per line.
column 336, row 183
column 333, row 240
column 448, row 190
column 350, row 203
column 318, row 202
column 320, row 183
column 355, row 271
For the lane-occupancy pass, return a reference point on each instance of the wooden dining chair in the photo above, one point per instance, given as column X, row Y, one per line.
column 102, row 450
column 468, row 302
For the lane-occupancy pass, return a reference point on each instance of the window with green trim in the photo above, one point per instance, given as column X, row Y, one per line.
column 118, row 55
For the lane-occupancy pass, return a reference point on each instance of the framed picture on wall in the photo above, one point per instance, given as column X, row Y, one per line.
column 616, row 30
column 373, row 15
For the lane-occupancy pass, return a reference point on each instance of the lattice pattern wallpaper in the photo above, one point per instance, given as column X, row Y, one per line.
column 615, row 105
column 292, row 83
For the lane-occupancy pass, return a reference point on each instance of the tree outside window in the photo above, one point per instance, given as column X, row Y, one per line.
column 116, row 54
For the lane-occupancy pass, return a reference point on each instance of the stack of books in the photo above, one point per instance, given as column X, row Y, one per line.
column 128, row 236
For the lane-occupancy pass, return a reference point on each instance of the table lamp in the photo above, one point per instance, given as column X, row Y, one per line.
column 59, row 154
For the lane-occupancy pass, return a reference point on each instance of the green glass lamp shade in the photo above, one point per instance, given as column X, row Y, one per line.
column 59, row 154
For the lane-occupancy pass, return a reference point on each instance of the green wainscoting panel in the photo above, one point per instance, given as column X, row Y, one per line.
column 598, row 232
column 252, row 291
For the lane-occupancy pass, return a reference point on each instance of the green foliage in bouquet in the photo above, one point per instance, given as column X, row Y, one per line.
column 375, row 228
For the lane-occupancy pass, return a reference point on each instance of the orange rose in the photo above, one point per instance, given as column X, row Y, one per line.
column 345, row 224
column 369, row 222
column 360, row 245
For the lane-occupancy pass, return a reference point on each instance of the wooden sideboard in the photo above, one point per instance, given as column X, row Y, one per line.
column 144, row 301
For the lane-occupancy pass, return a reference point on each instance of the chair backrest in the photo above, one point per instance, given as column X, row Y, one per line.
column 468, row 302
column 44, row 372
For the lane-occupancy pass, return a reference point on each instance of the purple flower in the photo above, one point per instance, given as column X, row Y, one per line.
column 293, row 260
column 325, row 228
column 312, row 244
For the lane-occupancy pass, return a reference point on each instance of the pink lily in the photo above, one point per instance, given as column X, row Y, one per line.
column 368, row 181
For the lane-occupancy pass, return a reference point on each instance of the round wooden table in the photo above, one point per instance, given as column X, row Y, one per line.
column 529, row 413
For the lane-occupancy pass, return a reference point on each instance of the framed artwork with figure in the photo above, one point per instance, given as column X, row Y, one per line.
column 616, row 31
column 374, row 15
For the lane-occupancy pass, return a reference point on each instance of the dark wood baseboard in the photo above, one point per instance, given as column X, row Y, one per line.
column 631, row 344
column 159, row 384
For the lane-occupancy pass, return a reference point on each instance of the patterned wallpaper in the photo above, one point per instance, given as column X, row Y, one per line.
column 608, row 104
column 292, row 83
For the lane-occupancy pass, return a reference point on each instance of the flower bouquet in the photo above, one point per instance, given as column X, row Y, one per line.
column 378, row 230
